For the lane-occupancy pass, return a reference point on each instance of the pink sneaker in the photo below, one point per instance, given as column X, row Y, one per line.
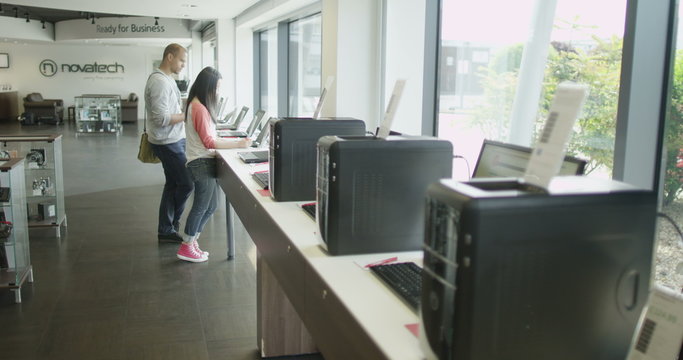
column 187, row 252
column 195, row 244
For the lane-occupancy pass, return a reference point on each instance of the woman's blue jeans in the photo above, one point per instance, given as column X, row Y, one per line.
column 203, row 173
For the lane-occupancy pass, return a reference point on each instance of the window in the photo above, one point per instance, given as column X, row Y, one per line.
column 496, row 79
column 669, row 256
column 209, row 53
column 267, row 71
column 305, row 59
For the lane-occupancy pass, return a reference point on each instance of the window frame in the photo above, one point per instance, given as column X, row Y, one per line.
column 281, row 26
column 643, row 90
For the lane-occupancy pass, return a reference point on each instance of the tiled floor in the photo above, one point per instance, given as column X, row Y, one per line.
column 107, row 290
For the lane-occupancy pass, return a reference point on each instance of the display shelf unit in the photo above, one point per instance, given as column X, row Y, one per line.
column 15, row 260
column 98, row 114
column 44, row 176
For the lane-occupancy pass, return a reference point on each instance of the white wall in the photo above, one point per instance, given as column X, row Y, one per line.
column 244, row 74
column 225, row 38
column 405, row 60
column 25, row 77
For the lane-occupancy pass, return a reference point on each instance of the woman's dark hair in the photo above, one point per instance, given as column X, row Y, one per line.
column 204, row 89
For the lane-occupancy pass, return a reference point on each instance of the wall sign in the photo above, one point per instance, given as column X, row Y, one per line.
column 49, row 68
column 113, row 29
column 175, row 30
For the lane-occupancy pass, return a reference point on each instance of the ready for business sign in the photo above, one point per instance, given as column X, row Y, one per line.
column 49, row 68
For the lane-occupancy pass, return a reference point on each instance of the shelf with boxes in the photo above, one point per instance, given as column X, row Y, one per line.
column 97, row 114
column 15, row 259
column 44, row 183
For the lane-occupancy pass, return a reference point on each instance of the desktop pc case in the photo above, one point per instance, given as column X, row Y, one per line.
column 370, row 195
column 292, row 153
column 517, row 274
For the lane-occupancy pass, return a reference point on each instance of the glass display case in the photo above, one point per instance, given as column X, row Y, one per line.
column 98, row 114
column 15, row 260
column 44, row 183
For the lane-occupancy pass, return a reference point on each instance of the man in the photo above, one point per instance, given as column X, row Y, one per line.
column 166, row 133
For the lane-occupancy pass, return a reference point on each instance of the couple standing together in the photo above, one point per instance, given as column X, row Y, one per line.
column 185, row 141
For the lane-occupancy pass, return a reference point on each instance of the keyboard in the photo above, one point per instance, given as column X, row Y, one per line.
column 261, row 178
column 254, row 156
column 309, row 209
column 405, row 279
column 231, row 133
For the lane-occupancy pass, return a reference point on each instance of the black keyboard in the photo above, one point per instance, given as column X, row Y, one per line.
column 261, row 178
column 405, row 279
column 309, row 209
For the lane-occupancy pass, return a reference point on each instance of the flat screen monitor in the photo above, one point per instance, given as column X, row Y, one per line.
column 255, row 122
column 323, row 94
column 182, row 85
column 240, row 116
column 497, row 159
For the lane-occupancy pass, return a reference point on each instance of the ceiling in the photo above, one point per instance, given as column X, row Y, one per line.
column 57, row 10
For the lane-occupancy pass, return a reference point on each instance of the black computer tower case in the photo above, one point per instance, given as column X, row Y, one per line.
column 292, row 153
column 516, row 274
column 371, row 191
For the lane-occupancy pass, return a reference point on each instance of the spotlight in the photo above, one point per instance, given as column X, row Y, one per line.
column 2, row 11
column 16, row 12
column 156, row 20
column 27, row 19
column 43, row 22
column 93, row 20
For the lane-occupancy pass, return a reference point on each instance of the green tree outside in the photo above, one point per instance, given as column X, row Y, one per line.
column 599, row 66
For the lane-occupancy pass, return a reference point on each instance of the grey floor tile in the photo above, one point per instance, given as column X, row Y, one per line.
column 106, row 289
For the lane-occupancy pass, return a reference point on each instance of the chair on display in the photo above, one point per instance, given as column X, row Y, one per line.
column 48, row 111
column 129, row 108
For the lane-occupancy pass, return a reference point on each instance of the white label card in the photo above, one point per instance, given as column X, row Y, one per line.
column 385, row 126
column 660, row 331
column 546, row 159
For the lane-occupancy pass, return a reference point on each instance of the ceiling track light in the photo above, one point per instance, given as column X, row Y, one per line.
column 156, row 20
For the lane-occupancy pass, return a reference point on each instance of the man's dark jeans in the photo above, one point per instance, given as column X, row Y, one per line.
column 178, row 185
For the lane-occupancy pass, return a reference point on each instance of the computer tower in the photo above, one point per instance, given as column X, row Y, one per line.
column 513, row 273
column 292, row 153
column 371, row 191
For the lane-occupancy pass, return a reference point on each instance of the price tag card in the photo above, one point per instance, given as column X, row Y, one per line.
column 547, row 157
column 660, row 331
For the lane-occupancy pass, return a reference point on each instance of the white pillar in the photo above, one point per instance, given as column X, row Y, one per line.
column 350, row 41
column 532, row 68
column 225, row 44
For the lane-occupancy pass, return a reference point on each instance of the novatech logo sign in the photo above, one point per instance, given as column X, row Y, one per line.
column 49, row 68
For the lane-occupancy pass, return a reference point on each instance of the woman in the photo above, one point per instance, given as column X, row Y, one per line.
column 201, row 158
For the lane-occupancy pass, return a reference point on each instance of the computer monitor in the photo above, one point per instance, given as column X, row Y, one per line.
column 221, row 108
column 255, row 122
column 263, row 132
column 498, row 159
column 243, row 112
column 323, row 94
column 182, row 85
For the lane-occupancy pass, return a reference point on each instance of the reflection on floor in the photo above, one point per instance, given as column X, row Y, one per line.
column 107, row 290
